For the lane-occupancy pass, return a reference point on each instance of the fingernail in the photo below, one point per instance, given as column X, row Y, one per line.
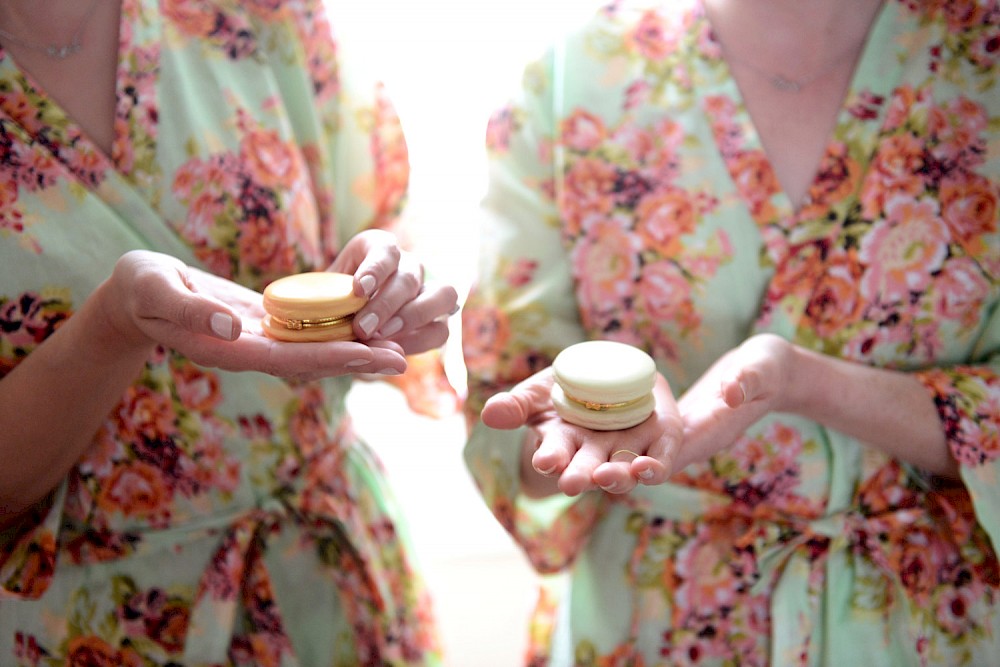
column 368, row 323
column 389, row 371
column 222, row 325
column 455, row 309
column 547, row 471
column 743, row 390
column 392, row 326
column 367, row 284
column 354, row 363
column 610, row 487
column 646, row 474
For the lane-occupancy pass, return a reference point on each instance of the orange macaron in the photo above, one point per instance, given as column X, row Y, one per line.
column 311, row 307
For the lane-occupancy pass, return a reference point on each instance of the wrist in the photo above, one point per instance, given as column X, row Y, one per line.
column 111, row 330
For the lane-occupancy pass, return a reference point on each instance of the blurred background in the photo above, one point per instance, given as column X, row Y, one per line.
column 447, row 66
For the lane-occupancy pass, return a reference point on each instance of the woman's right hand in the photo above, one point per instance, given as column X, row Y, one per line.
column 563, row 457
column 152, row 298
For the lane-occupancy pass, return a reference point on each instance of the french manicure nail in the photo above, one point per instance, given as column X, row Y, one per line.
column 392, row 326
column 354, row 363
column 389, row 371
column 367, row 284
column 368, row 323
column 222, row 325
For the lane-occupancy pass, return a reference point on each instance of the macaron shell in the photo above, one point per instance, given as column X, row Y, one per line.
column 604, row 371
column 312, row 295
column 614, row 419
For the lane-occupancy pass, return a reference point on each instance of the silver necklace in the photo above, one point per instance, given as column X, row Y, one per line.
column 784, row 83
column 59, row 52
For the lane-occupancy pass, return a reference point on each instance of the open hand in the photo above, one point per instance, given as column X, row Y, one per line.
column 577, row 459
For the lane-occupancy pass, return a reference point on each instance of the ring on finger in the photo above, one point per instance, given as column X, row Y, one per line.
column 623, row 451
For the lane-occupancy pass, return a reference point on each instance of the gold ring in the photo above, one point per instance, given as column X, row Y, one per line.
column 623, row 451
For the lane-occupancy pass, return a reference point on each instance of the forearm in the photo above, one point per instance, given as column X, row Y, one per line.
column 885, row 409
column 53, row 402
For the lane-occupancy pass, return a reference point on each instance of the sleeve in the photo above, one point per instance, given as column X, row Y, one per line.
column 366, row 184
column 968, row 402
column 520, row 312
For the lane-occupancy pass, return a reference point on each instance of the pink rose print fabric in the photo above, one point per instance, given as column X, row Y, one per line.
column 216, row 519
column 631, row 199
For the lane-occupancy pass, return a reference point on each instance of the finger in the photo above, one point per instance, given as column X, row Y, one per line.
column 392, row 294
column 371, row 257
column 521, row 404
column 167, row 295
column 615, row 475
column 578, row 476
column 431, row 304
column 430, row 337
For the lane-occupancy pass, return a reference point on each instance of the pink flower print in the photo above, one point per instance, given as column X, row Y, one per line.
column 960, row 291
column 663, row 217
column 665, row 295
column 953, row 609
column 197, row 390
column 486, row 333
column 588, row 191
column 190, row 17
column 651, row 38
column 583, row 131
column 263, row 247
column 605, row 264
column 985, row 50
column 520, row 272
column 901, row 254
column 836, row 302
column 145, row 414
column 11, row 217
column 905, row 102
column 706, row 580
column 499, row 130
column 637, row 94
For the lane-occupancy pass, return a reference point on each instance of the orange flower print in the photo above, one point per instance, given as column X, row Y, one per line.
column 665, row 295
column 651, row 39
column 894, row 171
column 583, row 131
column 262, row 247
column 146, row 414
column 900, row 257
column 197, row 389
column 836, row 302
column 588, row 192
column 663, row 217
column 38, row 562
column 756, row 182
column 706, row 581
column 91, row 651
column 270, row 161
column 189, row 17
column 135, row 489
column 969, row 207
column 605, row 265
column 485, row 334
column 837, row 178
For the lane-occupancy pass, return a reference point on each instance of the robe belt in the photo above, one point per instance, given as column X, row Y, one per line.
column 790, row 552
column 236, row 573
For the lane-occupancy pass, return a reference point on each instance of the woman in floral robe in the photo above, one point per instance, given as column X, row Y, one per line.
column 631, row 199
column 211, row 517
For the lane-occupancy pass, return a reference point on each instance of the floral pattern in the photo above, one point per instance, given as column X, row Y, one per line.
column 656, row 219
column 208, row 503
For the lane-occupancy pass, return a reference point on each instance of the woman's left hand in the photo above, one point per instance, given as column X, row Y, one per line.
column 741, row 387
column 402, row 308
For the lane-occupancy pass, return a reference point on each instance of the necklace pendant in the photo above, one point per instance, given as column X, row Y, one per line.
column 62, row 52
column 785, row 85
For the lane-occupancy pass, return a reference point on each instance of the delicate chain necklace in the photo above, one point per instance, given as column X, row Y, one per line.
column 54, row 50
column 782, row 82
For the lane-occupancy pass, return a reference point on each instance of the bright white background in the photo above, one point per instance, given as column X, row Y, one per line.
column 448, row 65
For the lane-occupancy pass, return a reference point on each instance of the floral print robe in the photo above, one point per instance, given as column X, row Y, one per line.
column 217, row 518
column 630, row 199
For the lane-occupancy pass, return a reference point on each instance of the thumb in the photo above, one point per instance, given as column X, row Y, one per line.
column 515, row 408
column 201, row 313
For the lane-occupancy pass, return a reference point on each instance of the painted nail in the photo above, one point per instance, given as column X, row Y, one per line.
column 547, row 471
column 222, row 325
column 646, row 474
column 392, row 326
column 354, row 363
column 389, row 371
column 368, row 284
column 611, row 487
column 368, row 323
